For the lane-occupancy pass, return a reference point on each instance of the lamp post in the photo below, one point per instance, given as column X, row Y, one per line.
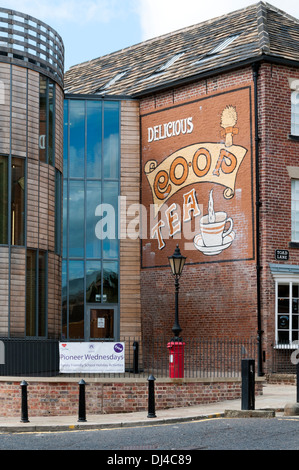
column 177, row 262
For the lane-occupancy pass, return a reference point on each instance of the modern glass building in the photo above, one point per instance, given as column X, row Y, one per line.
column 91, row 251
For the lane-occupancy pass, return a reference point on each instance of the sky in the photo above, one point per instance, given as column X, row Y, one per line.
column 93, row 28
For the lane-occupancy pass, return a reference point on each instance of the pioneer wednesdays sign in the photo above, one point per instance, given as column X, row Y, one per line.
column 92, row 357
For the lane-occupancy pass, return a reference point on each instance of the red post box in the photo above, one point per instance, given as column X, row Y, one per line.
column 176, row 359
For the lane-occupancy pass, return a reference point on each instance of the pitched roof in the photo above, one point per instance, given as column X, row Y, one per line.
column 257, row 31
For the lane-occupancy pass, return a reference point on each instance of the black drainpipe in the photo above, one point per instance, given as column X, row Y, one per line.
column 255, row 68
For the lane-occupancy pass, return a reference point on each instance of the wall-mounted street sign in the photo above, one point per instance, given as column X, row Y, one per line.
column 282, row 255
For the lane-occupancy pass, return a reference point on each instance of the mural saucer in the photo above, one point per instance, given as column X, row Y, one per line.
column 213, row 250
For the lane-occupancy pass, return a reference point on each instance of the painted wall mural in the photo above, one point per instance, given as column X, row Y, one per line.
column 197, row 180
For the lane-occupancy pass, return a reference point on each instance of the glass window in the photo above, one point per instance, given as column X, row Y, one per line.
column 43, row 119
column 94, row 139
column 111, row 139
column 110, row 197
column 65, row 138
column 65, row 219
column 3, row 200
column 76, row 219
column 51, row 122
column 295, row 113
column 76, row 299
column 93, row 281
column 31, row 293
column 110, row 281
column 64, row 299
column 77, row 138
column 17, row 202
column 93, row 200
column 12, row 192
column 58, row 196
column 91, row 188
column 36, row 306
column 287, row 313
column 46, row 120
column 295, row 210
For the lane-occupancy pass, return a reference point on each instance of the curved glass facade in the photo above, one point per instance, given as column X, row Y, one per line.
column 90, row 271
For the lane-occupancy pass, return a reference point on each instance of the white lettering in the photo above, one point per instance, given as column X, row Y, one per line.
column 105, row 228
column 150, row 134
column 170, row 129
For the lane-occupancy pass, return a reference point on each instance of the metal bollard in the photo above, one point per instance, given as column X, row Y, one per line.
column 135, row 357
column 151, row 397
column 82, row 408
column 248, row 384
column 24, row 411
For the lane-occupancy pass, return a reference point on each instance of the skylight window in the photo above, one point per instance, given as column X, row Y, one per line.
column 170, row 62
column 219, row 48
column 223, row 45
column 164, row 67
column 112, row 81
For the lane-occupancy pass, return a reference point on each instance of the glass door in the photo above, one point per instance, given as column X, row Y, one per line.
column 101, row 322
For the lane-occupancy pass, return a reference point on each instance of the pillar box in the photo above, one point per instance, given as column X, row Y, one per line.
column 176, row 359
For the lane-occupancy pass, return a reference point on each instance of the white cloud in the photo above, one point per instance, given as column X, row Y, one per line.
column 159, row 17
column 74, row 11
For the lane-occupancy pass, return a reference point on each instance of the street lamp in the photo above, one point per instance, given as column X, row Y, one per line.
column 177, row 262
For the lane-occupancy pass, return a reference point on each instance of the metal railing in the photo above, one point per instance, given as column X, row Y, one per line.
column 202, row 357
column 26, row 40
column 284, row 358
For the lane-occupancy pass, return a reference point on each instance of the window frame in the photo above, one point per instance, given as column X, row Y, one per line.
column 286, row 279
column 11, row 236
column 45, row 156
column 105, row 176
column 37, row 295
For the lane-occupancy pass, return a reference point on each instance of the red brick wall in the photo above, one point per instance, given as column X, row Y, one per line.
column 219, row 299
column 61, row 398
column 216, row 299
column 277, row 152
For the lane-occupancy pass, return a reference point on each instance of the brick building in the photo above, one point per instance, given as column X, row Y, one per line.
column 218, row 174
column 190, row 138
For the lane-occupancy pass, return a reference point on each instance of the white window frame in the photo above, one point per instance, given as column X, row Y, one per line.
column 295, row 113
column 286, row 279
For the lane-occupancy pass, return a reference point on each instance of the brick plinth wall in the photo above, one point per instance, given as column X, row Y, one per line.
column 60, row 398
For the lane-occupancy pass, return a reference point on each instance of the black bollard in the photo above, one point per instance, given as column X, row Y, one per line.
column 82, row 408
column 24, row 412
column 151, row 397
column 248, row 384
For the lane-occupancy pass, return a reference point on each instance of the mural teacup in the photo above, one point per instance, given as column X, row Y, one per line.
column 213, row 233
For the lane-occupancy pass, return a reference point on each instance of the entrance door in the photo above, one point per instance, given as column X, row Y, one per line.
column 101, row 323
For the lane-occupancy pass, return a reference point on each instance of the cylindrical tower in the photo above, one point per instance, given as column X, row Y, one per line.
column 31, row 162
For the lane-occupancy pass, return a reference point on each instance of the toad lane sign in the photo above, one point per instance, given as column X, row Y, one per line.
column 282, row 255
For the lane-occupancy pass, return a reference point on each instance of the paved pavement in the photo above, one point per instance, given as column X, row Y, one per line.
column 275, row 398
